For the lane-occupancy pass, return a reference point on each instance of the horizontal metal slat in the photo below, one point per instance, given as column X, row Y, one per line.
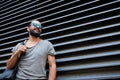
column 66, row 10
column 89, row 66
column 31, row 10
column 7, row 5
column 14, row 10
column 13, row 31
column 78, row 19
column 87, row 17
column 82, row 10
column 13, row 36
column 89, row 56
column 7, row 43
column 89, row 47
column 84, row 24
column 13, row 7
column 3, row 62
column 1, row 1
column 6, row 49
column 69, row 28
column 35, row 10
column 2, row 68
column 5, row 55
column 102, row 76
column 4, row 3
column 98, row 13
column 23, row 10
column 15, row 26
column 88, row 38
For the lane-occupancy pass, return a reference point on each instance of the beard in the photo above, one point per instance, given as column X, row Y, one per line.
column 34, row 33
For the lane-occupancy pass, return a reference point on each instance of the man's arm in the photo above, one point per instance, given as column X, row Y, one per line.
column 13, row 59
column 52, row 67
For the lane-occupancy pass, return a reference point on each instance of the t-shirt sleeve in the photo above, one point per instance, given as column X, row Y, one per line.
column 14, row 49
column 51, row 50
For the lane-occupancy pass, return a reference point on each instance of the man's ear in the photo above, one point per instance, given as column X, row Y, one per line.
column 28, row 29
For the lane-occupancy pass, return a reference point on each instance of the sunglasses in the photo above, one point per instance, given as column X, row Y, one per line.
column 37, row 25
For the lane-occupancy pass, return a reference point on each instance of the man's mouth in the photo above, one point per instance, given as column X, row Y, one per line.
column 36, row 30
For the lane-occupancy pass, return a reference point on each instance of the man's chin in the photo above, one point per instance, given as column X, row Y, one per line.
column 35, row 34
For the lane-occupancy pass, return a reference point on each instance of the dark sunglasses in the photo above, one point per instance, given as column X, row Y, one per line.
column 37, row 25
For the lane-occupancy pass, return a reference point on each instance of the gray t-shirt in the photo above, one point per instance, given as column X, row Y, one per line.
column 32, row 65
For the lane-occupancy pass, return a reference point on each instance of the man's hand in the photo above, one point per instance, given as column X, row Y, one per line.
column 22, row 49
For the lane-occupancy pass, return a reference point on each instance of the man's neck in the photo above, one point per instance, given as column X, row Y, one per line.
column 34, row 39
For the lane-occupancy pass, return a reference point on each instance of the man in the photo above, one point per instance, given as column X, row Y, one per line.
column 36, row 52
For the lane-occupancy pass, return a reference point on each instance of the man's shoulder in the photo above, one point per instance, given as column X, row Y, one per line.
column 44, row 40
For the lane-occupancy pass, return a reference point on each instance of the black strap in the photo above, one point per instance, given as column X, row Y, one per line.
column 18, row 60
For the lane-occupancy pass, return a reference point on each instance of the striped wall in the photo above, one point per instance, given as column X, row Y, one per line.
column 85, row 34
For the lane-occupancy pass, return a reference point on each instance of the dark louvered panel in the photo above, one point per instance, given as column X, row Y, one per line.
column 85, row 34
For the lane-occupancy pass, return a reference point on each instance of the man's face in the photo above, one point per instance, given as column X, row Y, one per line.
column 33, row 30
